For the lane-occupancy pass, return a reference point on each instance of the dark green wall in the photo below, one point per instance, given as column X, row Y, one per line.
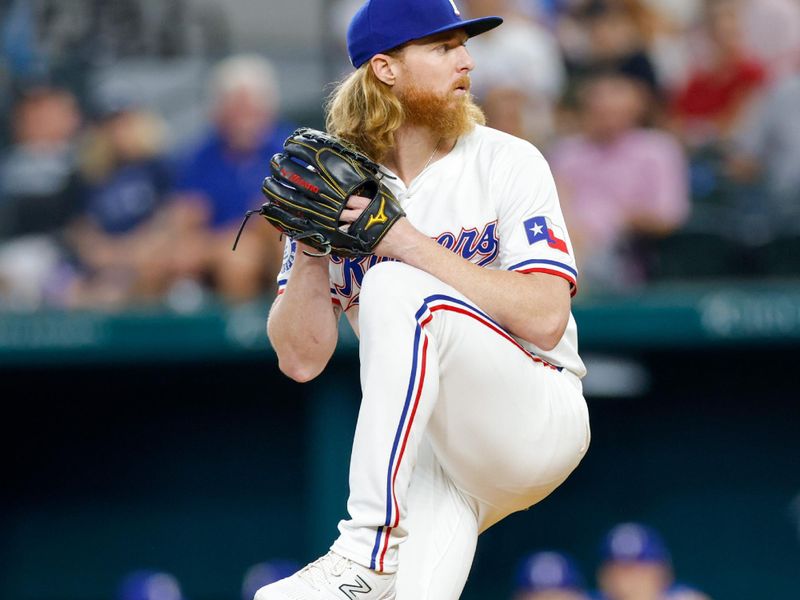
column 205, row 469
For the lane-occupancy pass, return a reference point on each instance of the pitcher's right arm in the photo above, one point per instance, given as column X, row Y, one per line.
column 303, row 322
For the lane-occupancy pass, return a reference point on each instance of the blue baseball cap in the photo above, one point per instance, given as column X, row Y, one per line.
column 381, row 25
column 680, row 591
column 149, row 585
column 633, row 542
column 548, row 571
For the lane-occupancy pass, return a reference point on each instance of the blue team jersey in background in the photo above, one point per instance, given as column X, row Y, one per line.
column 231, row 182
column 129, row 196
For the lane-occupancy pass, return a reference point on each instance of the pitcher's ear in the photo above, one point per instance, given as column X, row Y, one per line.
column 385, row 68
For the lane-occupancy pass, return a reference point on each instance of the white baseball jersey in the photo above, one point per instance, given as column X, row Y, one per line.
column 460, row 424
column 493, row 201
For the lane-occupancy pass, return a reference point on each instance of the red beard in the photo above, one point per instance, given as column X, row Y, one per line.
column 446, row 116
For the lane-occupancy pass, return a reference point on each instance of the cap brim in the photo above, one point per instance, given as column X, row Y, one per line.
column 472, row 27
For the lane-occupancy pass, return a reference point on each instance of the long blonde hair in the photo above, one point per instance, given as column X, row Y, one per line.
column 364, row 111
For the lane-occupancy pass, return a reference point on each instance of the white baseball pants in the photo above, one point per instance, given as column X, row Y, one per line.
column 459, row 426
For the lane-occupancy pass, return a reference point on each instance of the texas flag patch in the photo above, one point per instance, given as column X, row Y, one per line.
column 541, row 228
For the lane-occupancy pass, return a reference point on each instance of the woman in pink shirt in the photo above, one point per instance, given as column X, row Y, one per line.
column 617, row 179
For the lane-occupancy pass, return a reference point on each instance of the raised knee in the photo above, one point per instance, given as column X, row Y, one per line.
column 386, row 281
column 386, row 272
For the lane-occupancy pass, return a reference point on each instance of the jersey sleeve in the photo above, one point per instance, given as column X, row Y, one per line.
column 289, row 253
column 532, row 232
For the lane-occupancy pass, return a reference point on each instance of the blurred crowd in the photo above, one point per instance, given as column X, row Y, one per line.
column 634, row 563
column 97, row 212
column 152, row 584
column 672, row 128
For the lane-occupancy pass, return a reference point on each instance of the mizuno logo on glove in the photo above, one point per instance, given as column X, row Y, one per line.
column 378, row 218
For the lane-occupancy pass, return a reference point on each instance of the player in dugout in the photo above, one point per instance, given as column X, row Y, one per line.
column 472, row 404
column 549, row 575
column 636, row 565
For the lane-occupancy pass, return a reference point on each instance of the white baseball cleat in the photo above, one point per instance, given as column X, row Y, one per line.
column 331, row 577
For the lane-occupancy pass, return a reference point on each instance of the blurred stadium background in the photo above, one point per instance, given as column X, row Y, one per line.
column 147, row 425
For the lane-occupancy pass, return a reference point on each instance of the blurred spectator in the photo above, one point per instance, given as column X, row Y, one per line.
column 636, row 565
column 545, row 11
column 341, row 12
column 149, row 585
column 617, row 181
column 664, row 26
column 519, row 74
column 38, row 175
column 724, row 83
column 768, row 150
column 683, row 13
column 549, row 576
column 221, row 179
column 39, row 192
column 121, row 247
column 771, row 31
column 19, row 52
column 602, row 35
column 264, row 573
column 538, row 65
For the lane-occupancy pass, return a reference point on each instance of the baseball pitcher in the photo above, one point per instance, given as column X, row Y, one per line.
column 443, row 244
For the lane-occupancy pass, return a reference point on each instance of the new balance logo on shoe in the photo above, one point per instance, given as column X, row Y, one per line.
column 351, row 589
column 332, row 577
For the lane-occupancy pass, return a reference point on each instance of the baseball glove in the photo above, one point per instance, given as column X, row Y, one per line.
column 308, row 188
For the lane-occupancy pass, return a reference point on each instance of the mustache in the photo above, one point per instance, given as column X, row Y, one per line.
column 463, row 82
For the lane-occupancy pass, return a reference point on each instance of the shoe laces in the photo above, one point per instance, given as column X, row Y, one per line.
column 323, row 570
